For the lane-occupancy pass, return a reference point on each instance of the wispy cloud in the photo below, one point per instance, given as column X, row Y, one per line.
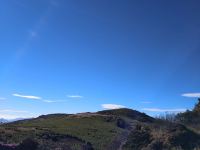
column 164, row 110
column 27, row 96
column 31, row 97
column 146, row 102
column 49, row 101
column 2, row 98
column 9, row 116
column 192, row 95
column 74, row 96
column 53, row 101
column 15, row 115
column 112, row 106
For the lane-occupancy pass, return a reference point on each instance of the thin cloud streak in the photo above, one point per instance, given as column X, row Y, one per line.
column 74, row 96
column 27, row 96
column 53, row 101
column 49, row 101
column 112, row 106
column 2, row 98
column 191, row 95
column 37, row 98
column 164, row 110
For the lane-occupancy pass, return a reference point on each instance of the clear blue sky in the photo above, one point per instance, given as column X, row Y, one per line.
column 75, row 56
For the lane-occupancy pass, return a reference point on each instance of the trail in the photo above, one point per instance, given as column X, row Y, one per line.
column 123, row 141
column 120, row 140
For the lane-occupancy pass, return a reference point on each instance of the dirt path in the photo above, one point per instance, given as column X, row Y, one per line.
column 120, row 140
column 123, row 141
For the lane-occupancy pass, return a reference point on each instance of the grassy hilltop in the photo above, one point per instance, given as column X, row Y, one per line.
column 120, row 129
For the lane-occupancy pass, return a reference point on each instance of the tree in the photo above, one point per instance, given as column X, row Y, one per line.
column 197, row 106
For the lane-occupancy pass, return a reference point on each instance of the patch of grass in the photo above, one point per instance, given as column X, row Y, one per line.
column 99, row 130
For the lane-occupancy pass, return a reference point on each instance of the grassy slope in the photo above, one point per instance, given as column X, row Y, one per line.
column 99, row 130
column 104, row 130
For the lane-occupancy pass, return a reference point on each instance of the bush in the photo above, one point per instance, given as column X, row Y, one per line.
column 28, row 144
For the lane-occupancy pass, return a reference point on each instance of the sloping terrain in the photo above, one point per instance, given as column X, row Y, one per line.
column 86, row 129
column 120, row 129
column 191, row 118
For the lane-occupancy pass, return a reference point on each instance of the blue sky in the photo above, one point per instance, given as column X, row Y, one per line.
column 69, row 56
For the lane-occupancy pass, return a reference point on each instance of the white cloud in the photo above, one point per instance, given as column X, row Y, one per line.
column 112, row 106
column 53, row 101
column 74, row 96
column 9, row 116
column 192, row 95
column 15, row 116
column 146, row 102
column 49, row 101
column 37, row 98
column 164, row 110
column 27, row 96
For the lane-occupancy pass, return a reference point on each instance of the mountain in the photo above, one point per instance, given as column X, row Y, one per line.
column 119, row 129
column 2, row 120
column 129, row 113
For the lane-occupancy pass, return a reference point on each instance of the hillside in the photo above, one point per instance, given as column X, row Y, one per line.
column 120, row 129
column 191, row 118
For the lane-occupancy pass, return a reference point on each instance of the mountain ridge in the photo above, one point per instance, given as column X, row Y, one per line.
column 117, row 129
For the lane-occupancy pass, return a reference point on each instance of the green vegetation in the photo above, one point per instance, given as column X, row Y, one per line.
column 120, row 129
column 169, row 136
column 99, row 130
column 191, row 118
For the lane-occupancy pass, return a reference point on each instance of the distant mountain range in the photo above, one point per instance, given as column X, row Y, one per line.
column 2, row 120
column 119, row 129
